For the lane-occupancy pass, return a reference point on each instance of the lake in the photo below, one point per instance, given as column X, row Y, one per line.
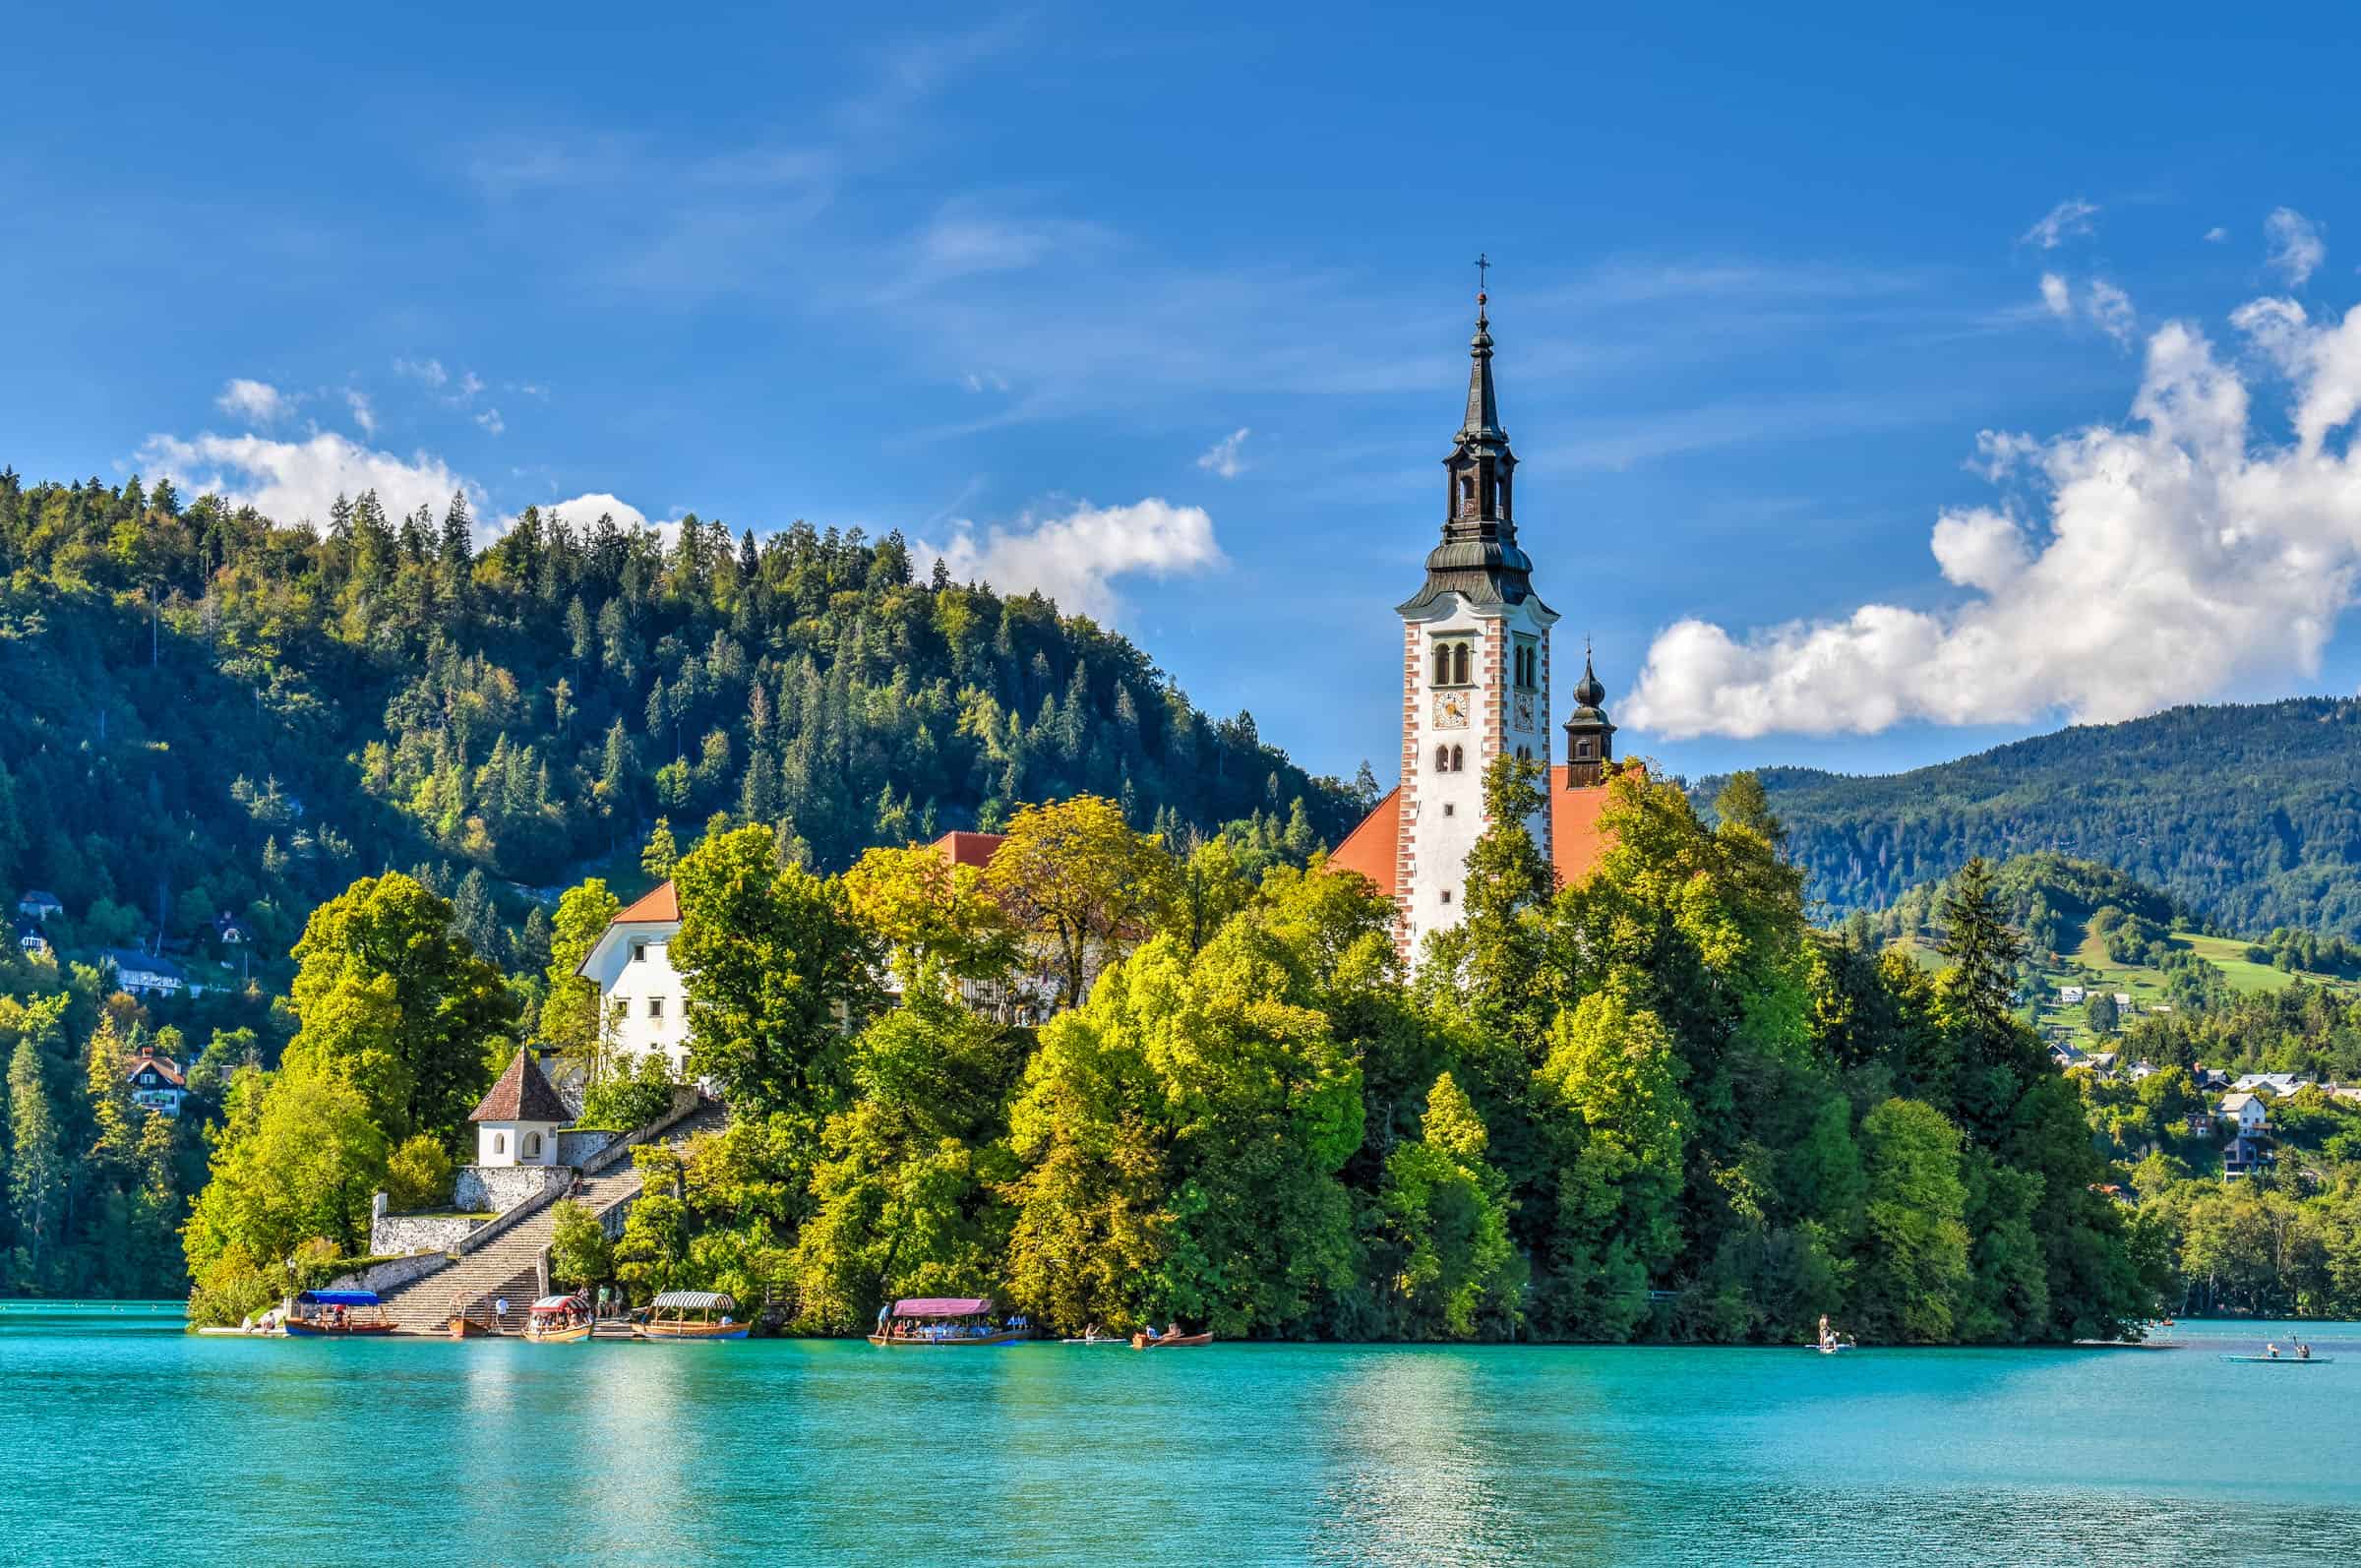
column 126, row 1440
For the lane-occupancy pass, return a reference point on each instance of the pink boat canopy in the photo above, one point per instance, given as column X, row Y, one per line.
column 941, row 1306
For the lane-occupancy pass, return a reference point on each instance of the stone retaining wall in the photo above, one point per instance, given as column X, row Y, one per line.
column 497, row 1189
column 383, row 1277
column 581, row 1145
column 393, row 1234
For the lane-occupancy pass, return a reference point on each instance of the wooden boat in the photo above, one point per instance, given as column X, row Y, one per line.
column 690, row 1315
column 557, row 1320
column 1169, row 1342
column 2283, row 1361
column 336, row 1315
column 1097, row 1339
column 940, row 1322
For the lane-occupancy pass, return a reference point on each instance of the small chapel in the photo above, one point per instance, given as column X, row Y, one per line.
column 1475, row 687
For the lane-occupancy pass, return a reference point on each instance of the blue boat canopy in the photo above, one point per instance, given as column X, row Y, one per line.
column 339, row 1297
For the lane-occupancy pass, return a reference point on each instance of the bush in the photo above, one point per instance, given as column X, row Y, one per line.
column 630, row 1097
column 418, row 1175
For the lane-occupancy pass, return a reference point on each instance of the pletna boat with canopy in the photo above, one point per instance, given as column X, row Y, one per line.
column 336, row 1314
column 690, row 1315
column 940, row 1320
column 559, row 1320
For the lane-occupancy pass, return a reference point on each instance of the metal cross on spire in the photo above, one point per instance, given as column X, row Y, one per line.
column 1484, row 266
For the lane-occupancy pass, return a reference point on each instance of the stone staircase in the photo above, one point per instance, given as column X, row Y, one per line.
column 509, row 1266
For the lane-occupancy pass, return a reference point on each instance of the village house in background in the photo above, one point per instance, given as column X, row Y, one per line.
column 144, row 974
column 156, row 1082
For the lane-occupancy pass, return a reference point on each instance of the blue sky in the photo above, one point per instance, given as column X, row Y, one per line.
column 1015, row 282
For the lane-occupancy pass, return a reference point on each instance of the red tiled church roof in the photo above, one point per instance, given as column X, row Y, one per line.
column 662, row 905
column 1576, row 840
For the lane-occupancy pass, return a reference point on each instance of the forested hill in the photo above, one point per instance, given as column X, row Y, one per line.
column 304, row 706
column 2250, row 816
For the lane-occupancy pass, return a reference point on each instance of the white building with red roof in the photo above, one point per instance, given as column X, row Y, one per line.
column 156, row 1082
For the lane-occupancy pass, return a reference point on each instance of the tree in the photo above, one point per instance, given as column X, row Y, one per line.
column 1446, row 1214
column 2100, row 1010
column 1619, row 1132
column 579, row 1253
column 904, row 1200
column 298, row 1158
column 570, row 1015
column 661, row 853
column 37, row 1170
column 387, row 991
column 1915, row 1261
column 654, row 1245
column 109, row 1094
column 775, row 967
column 1508, row 878
column 934, row 915
column 1076, row 877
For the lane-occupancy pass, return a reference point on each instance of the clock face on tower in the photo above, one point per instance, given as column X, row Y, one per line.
column 1450, row 710
column 1523, row 717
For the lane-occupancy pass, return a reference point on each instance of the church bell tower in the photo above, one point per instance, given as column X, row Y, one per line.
column 1475, row 665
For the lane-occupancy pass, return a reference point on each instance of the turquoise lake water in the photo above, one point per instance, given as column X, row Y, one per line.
column 127, row 1440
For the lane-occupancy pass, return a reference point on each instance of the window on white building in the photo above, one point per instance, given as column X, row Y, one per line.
column 1446, row 895
column 639, row 951
column 500, row 1143
column 655, row 1006
column 532, row 1146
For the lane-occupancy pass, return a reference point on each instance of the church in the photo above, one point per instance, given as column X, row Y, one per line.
column 1476, row 686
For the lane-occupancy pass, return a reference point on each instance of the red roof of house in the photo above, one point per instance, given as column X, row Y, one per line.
column 969, row 849
column 165, row 1069
column 663, row 904
column 1576, row 841
column 524, row 1094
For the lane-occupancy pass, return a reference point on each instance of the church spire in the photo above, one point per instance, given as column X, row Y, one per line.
column 1478, row 559
column 1590, row 733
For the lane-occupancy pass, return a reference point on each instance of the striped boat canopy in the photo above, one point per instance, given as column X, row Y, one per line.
column 553, row 1303
column 708, row 1299
column 941, row 1306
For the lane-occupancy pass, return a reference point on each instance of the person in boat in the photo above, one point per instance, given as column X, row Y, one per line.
column 2303, row 1351
column 2271, row 1351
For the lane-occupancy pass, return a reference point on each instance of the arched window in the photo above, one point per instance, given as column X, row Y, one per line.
column 500, row 1143
column 1459, row 760
column 1442, row 664
column 1467, row 493
column 532, row 1146
column 1442, row 759
column 1459, row 665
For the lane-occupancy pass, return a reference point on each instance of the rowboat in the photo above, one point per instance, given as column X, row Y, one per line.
column 559, row 1320
column 335, row 1314
column 940, row 1322
column 1097, row 1339
column 1169, row 1342
column 2283, row 1360
column 668, row 1317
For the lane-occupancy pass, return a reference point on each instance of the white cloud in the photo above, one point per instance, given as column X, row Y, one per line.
column 491, row 421
column 580, row 512
column 2217, row 235
column 1221, row 456
column 2296, row 248
column 2169, row 558
column 2110, row 310
column 469, row 385
column 295, row 481
column 255, row 401
column 363, row 414
column 1075, row 559
column 2068, row 219
column 429, row 371
column 2107, row 307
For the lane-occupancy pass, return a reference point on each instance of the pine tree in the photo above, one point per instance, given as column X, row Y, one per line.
column 109, row 1092
column 37, row 1172
column 661, row 853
